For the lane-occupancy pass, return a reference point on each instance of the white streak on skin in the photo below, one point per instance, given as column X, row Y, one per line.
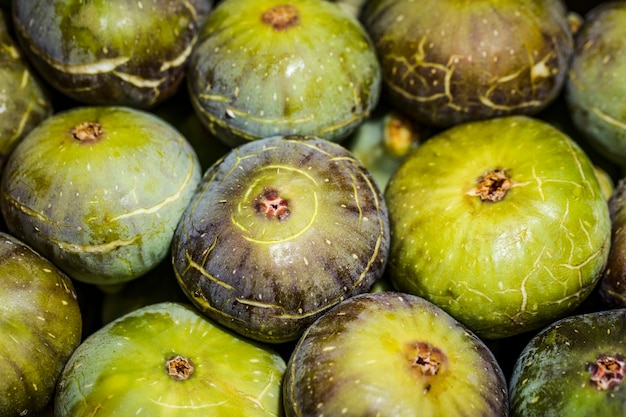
column 100, row 67
column 139, row 81
column 180, row 59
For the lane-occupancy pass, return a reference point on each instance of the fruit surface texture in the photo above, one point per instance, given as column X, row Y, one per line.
column 99, row 190
column 502, row 223
column 280, row 230
column 391, row 354
column 450, row 61
column 167, row 359
column 274, row 67
column 40, row 326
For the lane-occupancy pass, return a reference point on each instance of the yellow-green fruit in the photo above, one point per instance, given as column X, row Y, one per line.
column 501, row 222
column 99, row 191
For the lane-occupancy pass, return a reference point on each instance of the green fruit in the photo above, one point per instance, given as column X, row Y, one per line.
column 99, row 191
column 40, row 326
column 613, row 282
column 111, row 52
column 595, row 92
column 167, row 359
column 449, row 61
column 280, row 230
column 24, row 99
column 277, row 67
column 574, row 367
column 500, row 222
column 396, row 355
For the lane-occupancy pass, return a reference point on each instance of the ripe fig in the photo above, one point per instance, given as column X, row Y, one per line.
column 280, row 67
column 392, row 354
column 114, row 52
column 445, row 62
column 501, row 222
column 280, row 230
column 167, row 359
column 574, row 367
column 612, row 286
column 24, row 99
column 594, row 91
column 99, row 191
column 40, row 326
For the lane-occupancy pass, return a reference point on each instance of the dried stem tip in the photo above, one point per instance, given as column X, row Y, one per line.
column 179, row 368
column 281, row 17
column 88, row 132
column 607, row 372
column 493, row 186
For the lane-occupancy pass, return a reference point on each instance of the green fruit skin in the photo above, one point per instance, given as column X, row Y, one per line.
column 451, row 61
column 353, row 361
column 248, row 81
column 613, row 282
column 120, row 369
column 594, row 90
column 505, row 267
column 104, row 211
column 551, row 377
column 24, row 99
column 269, row 279
column 40, row 326
column 111, row 52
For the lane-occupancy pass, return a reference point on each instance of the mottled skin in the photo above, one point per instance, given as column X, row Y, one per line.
column 501, row 267
column 269, row 278
column 449, row 61
column 248, row 79
column 104, row 210
column 595, row 89
column 111, row 52
column 120, row 370
column 359, row 360
column 40, row 326
column 551, row 377
column 613, row 283
column 24, row 99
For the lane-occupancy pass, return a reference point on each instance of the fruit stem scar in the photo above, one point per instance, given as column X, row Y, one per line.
column 88, row 132
column 425, row 358
column 270, row 204
column 493, row 186
column 606, row 372
column 281, row 17
column 179, row 368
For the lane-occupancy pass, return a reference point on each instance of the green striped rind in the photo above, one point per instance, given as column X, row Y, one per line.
column 504, row 267
column 248, row 80
column 120, row 369
column 353, row 362
column 24, row 100
column 269, row 279
column 105, row 211
column 551, row 376
column 40, row 326
column 112, row 52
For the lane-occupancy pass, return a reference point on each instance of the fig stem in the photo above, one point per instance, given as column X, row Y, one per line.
column 607, row 372
column 88, row 132
column 493, row 186
column 426, row 359
column 281, row 17
column 179, row 368
column 270, row 204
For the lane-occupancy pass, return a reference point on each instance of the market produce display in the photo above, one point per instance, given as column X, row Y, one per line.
column 312, row 207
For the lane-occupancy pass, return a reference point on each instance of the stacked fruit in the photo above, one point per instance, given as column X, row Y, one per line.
column 312, row 207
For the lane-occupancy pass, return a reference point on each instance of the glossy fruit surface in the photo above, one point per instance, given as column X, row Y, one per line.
column 99, row 191
column 390, row 354
column 501, row 222
column 280, row 230
column 595, row 92
column 110, row 52
column 24, row 100
column 574, row 367
column 276, row 67
column 449, row 61
column 40, row 326
column 167, row 359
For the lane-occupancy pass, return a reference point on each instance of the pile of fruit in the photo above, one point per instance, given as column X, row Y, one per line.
column 312, row 208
